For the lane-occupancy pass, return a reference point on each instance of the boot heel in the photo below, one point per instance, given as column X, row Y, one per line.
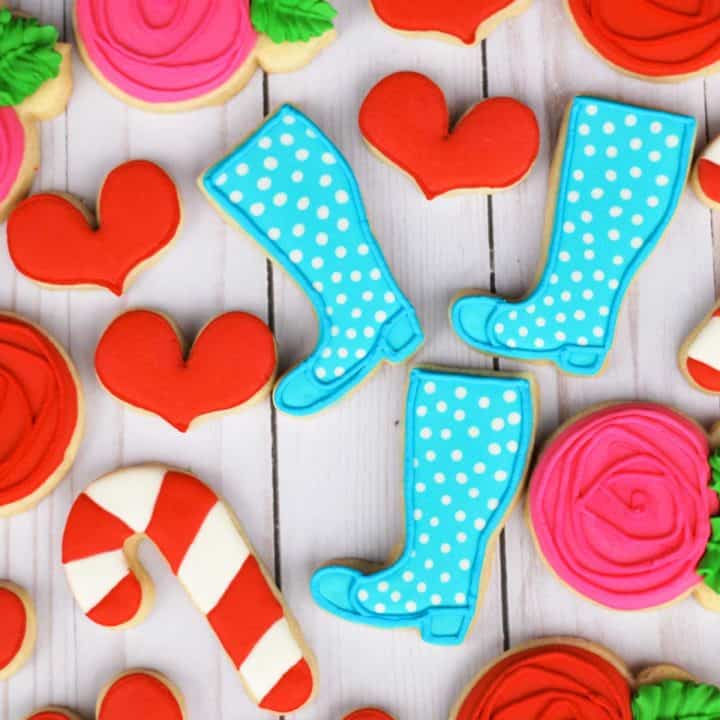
column 446, row 626
column 581, row 361
column 402, row 337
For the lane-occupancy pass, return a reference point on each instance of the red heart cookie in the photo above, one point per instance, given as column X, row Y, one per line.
column 138, row 694
column 493, row 147
column 140, row 361
column 17, row 628
column 467, row 20
column 52, row 241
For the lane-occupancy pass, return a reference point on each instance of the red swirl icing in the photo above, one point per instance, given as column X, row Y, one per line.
column 12, row 150
column 166, row 51
column 39, row 411
column 620, row 505
column 550, row 682
column 656, row 38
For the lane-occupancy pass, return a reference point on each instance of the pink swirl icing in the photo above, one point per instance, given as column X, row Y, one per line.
column 620, row 505
column 12, row 150
column 166, row 51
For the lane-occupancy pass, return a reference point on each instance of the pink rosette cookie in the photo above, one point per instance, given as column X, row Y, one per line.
column 182, row 54
column 35, row 84
column 621, row 505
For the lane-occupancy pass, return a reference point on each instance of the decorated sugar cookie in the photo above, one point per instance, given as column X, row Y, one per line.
column 18, row 628
column 405, row 120
column 171, row 57
column 41, row 414
column 468, row 444
column 572, row 678
column 706, row 175
column 135, row 694
column 290, row 189
column 619, row 173
column 564, row 677
column 208, row 551
column 623, row 505
column 652, row 39
column 464, row 21
column 700, row 354
column 54, row 240
column 35, row 85
column 140, row 359
column 368, row 714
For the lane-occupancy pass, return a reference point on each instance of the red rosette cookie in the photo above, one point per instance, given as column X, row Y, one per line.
column 40, row 414
column 621, row 505
column 652, row 39
column 549, row 681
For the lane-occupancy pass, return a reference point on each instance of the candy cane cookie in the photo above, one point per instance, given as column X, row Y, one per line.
column 208, row 551
column 18, row 628
column 699, row 356
column 705, row 179
column 138, row 694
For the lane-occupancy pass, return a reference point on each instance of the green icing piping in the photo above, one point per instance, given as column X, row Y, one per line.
column 27, row 57
column 709, row 568
column 676, row 700
column 292, row 20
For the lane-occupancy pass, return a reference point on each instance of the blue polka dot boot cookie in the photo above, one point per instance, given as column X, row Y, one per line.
column 291, row 190
column 468, row 443
column 622, row 170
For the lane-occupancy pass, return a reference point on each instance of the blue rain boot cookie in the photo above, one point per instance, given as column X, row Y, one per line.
column 292, row 191
column 468, row 440
column 620, row 173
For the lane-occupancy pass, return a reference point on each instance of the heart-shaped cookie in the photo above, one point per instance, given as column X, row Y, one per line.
column 52, row 239
column 138, row 694
column 467, row 21
column 18, row 628
column 140, row 360
column 493, row 147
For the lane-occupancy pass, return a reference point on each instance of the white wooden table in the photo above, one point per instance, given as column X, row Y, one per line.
column 329, row 486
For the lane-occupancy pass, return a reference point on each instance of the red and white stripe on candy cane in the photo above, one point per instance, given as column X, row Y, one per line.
column 202, row 541
column 702, row 357
column 706, row 175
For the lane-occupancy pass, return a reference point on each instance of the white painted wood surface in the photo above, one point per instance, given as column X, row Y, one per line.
column 309, row 490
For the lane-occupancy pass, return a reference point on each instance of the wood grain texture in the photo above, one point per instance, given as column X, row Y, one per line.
column 313, row 489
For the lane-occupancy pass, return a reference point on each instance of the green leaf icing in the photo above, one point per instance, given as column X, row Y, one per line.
column 292, row 20
column 677, row 700
column 709, row 568
column 27, row 57
column 715, row 468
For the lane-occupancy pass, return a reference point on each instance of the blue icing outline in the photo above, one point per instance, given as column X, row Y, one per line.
column 453, row 506
column 316, row 227
column 492, row 324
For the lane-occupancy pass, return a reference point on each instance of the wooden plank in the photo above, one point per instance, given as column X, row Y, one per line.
column 340, row 472
column 207, row 271
column 670, row 294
